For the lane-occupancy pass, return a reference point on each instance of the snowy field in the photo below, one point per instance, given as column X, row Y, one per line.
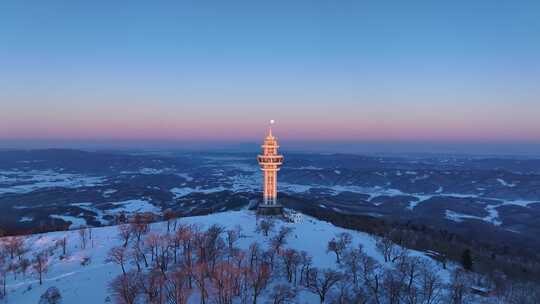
column 89, row 284
column 18, row 181
column 246, row 178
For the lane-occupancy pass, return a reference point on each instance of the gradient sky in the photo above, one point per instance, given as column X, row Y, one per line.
column 346, row 71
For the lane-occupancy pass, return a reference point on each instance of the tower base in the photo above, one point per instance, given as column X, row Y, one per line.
column 269, row 209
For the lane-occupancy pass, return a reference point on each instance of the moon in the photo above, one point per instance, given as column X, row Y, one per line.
column 272, row 121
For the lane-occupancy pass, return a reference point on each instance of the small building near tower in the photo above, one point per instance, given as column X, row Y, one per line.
column 270, row 162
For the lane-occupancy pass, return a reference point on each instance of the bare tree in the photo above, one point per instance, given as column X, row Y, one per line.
column 520, row 293
column 214, row 244
column 280, row 239
column 225, row 279
column 283, row 294
column 177, row 287
column 140, row 225
column 232, row 237
column 430, row 283
column 138, row 256
column 62, row 242
column 410, row 269
column 124, row 232
column 13, row 245
column 265, row 225
column 90, row 236
column 41, row 264
column 125, row 288
column 352, row 264
column 185, row 235
column 387, row 248
column 13, row 267
column 151, row 242
column 393, row 285
column 152, row 284
column 254, row 253
column 305, row 266
column 200, row 272
column 164, row 252
column 291, row 259
column 22, row 248
column 83, row 236
column 169, row 216
column 118, row 255
column 339, row 244
column 258, row 277
column 24, row 264
column 3, row 274
column 347, row 293
column 372, row 278
column 459, row 287
column 321, row 282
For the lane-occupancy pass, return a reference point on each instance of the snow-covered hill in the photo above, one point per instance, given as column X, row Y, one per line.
column 89, row 284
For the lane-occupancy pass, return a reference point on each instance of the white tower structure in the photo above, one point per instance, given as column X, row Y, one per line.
column 270, row 162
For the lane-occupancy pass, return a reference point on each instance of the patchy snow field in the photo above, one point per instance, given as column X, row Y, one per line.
column 128, row 207
column 16, row 181
column 134, row 206
column 181, row 192
column 89, row 284
column 76, row 222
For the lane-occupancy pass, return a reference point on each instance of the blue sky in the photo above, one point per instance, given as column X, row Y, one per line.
column 353, row 71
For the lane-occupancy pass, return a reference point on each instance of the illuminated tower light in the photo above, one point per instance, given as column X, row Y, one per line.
column 270, row 162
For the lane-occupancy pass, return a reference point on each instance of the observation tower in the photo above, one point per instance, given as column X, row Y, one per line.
column 270, row 161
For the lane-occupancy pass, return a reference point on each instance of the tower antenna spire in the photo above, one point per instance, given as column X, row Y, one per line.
column 270, row 127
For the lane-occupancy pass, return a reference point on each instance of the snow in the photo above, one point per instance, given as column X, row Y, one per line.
column 460, row 195
column 100, row 215
column 134, row 206
column 222, row 158
column 128, row 206
column 17, row 181
column 185, row 176
column 185, row 191
column 308, row 168
column 522, row 203
column 504, row 183
column 371, row 191
column 76, row 222
column 512, row 230
column 459, row 217
column 246, row 167
column 421, row 198
column 247, row 182
column 491, row 218
column 418, row 178
column 148, row 171
column 26, row 219
column 151, row 171
column 89, row 284
column 109, row 192
column 294, row 188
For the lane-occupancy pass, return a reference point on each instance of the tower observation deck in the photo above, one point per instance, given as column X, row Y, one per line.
column 270, row 162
